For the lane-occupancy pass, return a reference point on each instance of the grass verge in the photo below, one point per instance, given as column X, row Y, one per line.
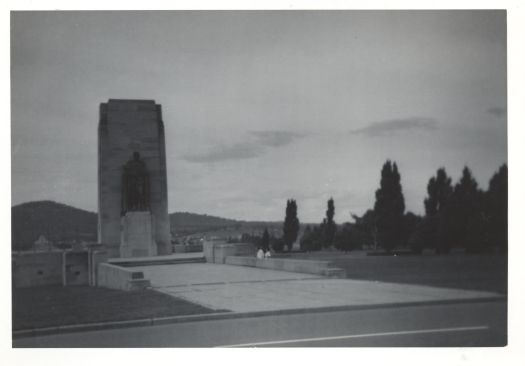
column 39, row 307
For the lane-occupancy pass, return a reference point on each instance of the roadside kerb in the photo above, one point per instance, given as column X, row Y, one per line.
column 230, row 315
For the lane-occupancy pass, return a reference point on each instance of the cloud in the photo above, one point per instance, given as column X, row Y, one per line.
column 393, row 125
column 246, row 150
column 276, row 138
column 222, row 153
column 497, row 111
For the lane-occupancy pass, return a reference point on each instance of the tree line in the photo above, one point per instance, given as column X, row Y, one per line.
column 459, row 215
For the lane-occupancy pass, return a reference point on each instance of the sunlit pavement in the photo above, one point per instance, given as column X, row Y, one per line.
column 246, row 289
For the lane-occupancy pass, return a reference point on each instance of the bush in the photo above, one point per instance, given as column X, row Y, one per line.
column 278, row 244
column 312, row 239
column 349, row 238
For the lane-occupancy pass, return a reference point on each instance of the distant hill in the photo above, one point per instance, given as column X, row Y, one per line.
column 56, row 221
column 182, row 219
column 62, row 223
column 185, row 223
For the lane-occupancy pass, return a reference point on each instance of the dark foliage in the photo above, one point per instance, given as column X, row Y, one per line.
column 312, row 239
column 349, row 237
column 291, row 224
column 306, row 240
column 277, row 244
column 329, row 226
column 438, row 225
column 410, row 223
column 439, row 190
column 264, row 242
column 465, row 216
column 424, row 235
column 367, row 225
column 389, row 208
column 497, row 209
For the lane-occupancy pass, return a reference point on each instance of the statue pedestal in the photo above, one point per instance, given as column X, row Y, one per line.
column 136, row 235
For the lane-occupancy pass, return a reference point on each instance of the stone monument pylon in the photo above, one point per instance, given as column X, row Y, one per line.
column 137, row 237
column 132, row 181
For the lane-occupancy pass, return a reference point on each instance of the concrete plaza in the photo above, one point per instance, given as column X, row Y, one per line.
column 245, row 289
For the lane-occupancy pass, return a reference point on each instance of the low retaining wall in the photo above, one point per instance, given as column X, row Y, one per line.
column 190, row 248
column 322, row 268
column 56, row 267
column 217, row 252
column 96, row 256
column 120, row 278
column 75, row 268
column 37, row 268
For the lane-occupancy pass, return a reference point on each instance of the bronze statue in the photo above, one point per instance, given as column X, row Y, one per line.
column 135, row 186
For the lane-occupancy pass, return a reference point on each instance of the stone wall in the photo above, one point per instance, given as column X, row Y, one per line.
column 126, row 126
column 188, row 248
column 96, row 256
column 67, row 268
column 120, row 278
column 37, row 268
column 216, row 252
column 75, row 268
column 322, row 268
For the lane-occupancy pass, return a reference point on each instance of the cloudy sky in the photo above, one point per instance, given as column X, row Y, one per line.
column 263, row 106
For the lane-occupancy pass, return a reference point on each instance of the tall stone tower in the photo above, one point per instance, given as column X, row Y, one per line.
column 132, row 129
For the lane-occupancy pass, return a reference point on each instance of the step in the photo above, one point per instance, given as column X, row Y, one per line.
column 156, row 261
column 334, row 273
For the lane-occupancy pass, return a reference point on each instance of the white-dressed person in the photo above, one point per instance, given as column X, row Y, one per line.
column 260, row 254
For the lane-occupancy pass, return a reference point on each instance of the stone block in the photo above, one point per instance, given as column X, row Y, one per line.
column 120, row 278
column 137, row 238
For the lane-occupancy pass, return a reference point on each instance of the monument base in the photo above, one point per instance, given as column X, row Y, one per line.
column 137, row 237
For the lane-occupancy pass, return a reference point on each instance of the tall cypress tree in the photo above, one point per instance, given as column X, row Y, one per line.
column 330, row 227
column 437, row 222
column 466, row 217
column 291, row 224
column 439, row 190
column 497, row 208
column 389, row 207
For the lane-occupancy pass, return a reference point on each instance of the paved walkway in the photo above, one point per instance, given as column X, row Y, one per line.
column 246, row 289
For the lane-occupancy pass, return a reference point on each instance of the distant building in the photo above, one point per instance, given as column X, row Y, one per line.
column 42, row 244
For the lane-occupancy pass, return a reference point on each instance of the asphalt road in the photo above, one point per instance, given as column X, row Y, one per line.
column 454, row 325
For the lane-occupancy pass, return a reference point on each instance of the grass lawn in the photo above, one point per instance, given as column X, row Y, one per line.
column 470, row 272
column 38, row 307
